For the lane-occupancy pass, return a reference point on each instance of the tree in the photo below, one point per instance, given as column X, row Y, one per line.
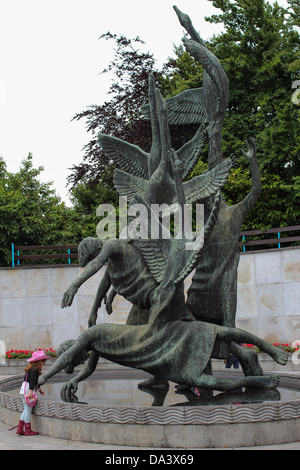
column 294, row 10
column 31, row 213
column 85, row 200
column 260, row 52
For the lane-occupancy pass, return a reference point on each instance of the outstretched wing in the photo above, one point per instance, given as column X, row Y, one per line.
column 129, row 157
column 129, row 185
column 190, row 152
column 207, row 184
column 185, row 108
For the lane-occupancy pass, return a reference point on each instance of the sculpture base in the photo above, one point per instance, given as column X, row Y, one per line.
column 178, row 425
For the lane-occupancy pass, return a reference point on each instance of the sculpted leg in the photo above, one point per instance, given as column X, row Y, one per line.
column 154, row 382
column 248, row 360
column 224, row 385
column 241, row 336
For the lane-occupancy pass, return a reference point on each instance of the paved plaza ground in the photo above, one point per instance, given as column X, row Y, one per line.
column 11, row 441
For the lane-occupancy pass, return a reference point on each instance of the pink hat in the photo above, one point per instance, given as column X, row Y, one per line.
column 38, row 356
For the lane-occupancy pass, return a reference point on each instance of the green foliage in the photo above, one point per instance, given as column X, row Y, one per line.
column 85, row 200
column 186, row 74
column 260, row 52
column 30, row 211
column 277, row 205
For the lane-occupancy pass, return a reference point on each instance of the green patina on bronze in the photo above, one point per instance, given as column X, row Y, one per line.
column 166, row 335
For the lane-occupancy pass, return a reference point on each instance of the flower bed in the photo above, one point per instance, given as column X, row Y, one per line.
column 27, row 353
column 288, row 347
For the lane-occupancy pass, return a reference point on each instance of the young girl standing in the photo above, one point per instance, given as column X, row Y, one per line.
column 32, row 372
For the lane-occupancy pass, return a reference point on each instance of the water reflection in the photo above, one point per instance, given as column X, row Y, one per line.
column 125, row 392
column 234, row 397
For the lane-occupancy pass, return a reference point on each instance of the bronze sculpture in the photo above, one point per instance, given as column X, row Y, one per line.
column 165, row 335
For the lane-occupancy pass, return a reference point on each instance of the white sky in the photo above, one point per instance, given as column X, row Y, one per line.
column 50, row 59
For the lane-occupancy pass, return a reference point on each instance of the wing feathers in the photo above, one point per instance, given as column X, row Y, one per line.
column 208, row 183
column 128, row 156
column 129, row 185
column 185, row 108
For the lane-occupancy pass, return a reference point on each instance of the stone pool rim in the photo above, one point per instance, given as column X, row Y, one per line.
column 165, row 426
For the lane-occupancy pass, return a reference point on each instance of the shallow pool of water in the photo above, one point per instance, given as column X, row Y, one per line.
column 125, row 392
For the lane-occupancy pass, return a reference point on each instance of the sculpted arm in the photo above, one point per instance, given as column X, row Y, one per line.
column 92, row 268
column 253, row 195
column 103, row 288
column 109, row 300
column 70, row 388
column 68, row 359
column 77, row 354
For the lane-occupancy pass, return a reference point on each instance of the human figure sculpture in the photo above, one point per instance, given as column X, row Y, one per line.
column 151, row 348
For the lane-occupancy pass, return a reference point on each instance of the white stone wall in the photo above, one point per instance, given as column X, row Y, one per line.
column 31, row 316
column 30, row 311
column 269, row 294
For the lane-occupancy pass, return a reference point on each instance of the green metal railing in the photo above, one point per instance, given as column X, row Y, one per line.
column 250, row 238
column 70, row 253
column 260, row 238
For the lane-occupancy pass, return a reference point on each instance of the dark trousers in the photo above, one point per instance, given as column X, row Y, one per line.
column 232, row 360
